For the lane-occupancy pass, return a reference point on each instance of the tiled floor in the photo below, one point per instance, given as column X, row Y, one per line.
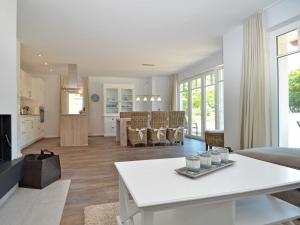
column 36, row 207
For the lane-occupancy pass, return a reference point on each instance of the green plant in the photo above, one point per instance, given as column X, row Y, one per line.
column 294, row 91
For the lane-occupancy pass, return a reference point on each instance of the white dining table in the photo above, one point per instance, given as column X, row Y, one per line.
column 151, row 192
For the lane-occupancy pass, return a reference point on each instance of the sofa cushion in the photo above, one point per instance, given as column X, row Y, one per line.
column 283, row 156
column 289, row 157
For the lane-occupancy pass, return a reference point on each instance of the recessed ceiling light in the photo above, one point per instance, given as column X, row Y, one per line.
column 39, row 55
column 45, row 63
column 148, row 64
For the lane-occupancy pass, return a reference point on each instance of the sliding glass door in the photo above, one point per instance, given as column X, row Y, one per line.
column 184, row 101
column 288, row 63
column 202, row 99
column 196, row 109
column 210, row 101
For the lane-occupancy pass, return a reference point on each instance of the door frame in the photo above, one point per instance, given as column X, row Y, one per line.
column 274, row 77
column 203, row 100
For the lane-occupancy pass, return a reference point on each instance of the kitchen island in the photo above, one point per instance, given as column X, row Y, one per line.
column 74, row 130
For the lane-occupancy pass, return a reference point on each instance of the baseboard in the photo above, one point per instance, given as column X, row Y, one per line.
column 96, row 135
column 30, row 143
column 51, row 137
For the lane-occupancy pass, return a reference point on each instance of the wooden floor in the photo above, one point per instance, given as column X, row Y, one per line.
column 94, row 179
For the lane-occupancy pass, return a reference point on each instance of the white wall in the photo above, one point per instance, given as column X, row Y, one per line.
column 281, row 13
column 201, row 66
column 232, row 53
column 161, row 86
column 276, row 16
column 143, row 86
column 8, row 66
column 95, row 85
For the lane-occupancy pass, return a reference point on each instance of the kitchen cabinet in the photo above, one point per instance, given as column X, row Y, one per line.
column 41, row 98
column 26, row 85
column 32, row 130
column 110, row 126
column 117, row 98
column 35, row 89
column 32, row 88
column 38, row 91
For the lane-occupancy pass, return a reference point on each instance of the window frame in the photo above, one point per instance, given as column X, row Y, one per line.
column 274, row 76
column 202, row 76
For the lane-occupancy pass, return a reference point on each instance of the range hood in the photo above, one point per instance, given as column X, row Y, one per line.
column 70, row 80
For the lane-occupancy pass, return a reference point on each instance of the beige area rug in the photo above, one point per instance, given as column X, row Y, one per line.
column 105, row 214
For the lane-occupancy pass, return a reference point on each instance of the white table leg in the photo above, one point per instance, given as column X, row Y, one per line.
column 147, row 217
column 127, row 211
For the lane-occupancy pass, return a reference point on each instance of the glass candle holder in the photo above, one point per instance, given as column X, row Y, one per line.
column 193, row 163
column 224, row 155
column 205, row 160
column 215, row 157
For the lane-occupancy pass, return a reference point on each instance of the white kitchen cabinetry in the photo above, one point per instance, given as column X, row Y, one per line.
column 41, row 98
column 32, row 130
column 38, row 91
column 26, row 85
column 110, row 126
column 32, row 94
column 35, row 89
column 117, row 98
column 32, row 88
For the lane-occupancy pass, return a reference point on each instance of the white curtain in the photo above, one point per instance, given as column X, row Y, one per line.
column 254, row 124
column 173, row 94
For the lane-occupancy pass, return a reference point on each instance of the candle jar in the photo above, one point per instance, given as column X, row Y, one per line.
column 224, row 155
column 215, row 157
column 205, row 160
column 193, row 163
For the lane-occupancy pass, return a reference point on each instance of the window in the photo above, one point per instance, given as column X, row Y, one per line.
column 288, row 64
column 210, row 101
column 202, row 99
column 196, row 107
column 220, row 100
column 184, row 100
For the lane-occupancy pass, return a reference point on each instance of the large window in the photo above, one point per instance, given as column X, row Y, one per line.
column 202, row 99
column 288, row 64
column 196, row 107
column 184, row 100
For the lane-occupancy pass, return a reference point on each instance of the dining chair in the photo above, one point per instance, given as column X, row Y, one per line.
column 175, row 131
column 158, row 127
column 137, row 131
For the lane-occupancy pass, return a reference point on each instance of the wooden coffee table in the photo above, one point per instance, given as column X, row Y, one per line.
column 237, row 195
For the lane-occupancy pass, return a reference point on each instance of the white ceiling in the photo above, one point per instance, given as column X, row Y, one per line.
column 114, row 37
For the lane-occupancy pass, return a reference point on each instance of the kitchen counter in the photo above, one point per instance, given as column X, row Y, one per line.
column 74, row 129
